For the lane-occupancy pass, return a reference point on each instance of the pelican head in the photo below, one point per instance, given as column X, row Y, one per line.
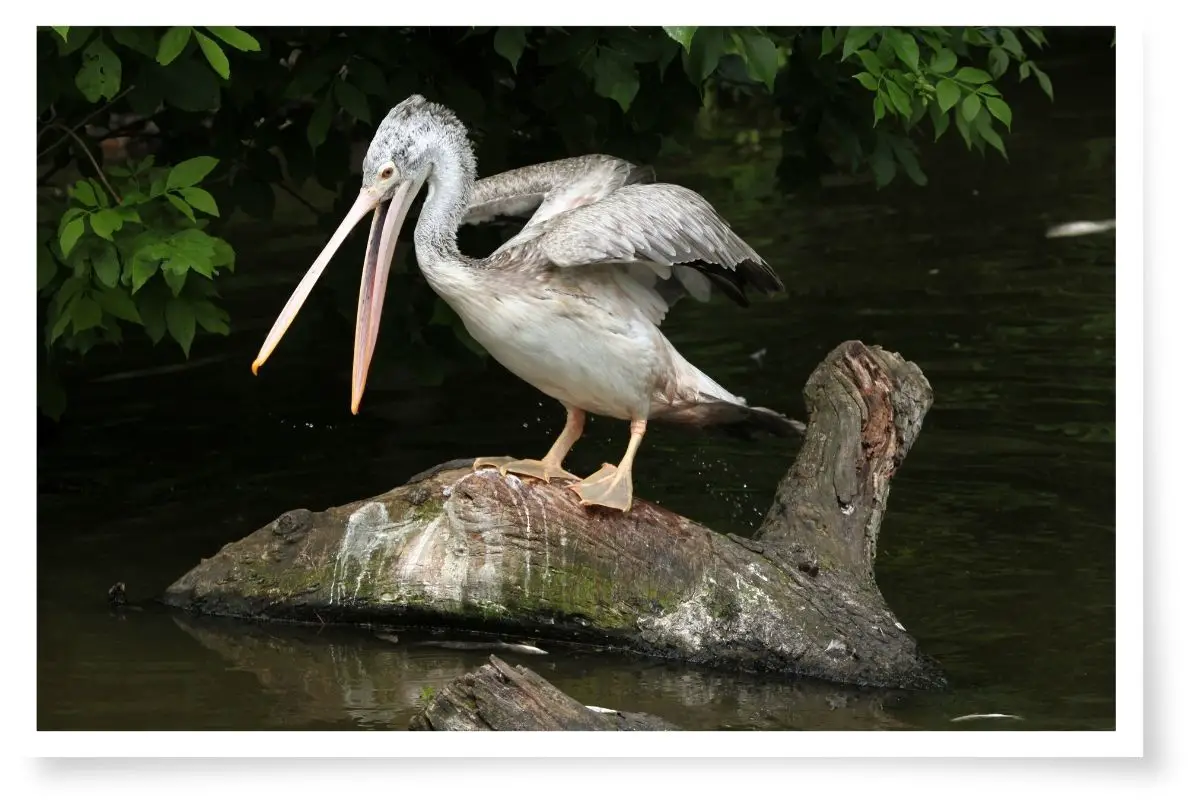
column 398, row 162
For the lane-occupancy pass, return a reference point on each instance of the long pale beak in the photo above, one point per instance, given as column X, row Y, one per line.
column 366, row 202
column 380, row 250
column 385, row 230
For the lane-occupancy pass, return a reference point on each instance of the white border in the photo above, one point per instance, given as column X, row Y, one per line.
column 1127, row 740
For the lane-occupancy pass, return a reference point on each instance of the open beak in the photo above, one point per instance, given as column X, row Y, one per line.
column 381, row 247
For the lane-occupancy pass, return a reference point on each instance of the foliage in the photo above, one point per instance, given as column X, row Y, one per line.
column 232, row 117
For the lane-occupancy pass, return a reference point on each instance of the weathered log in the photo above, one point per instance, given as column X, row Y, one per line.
column 476, row 551
column 499, row 697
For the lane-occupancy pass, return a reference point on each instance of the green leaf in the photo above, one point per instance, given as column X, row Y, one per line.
column 138, row 39
column 908, row 160
column 879, row 107
column 84, row 193
column 870, row 61
column 183, row 207
column 964, row 127
column 236, row 38
column 99, row 192
column 997, row 62
column 970, row 107
column 105, row 222
column 119, row 304
column 944, row 61
column 175, row 278
column 762, row 59
column 129, row 215
column 369, row 77
column 60, row 324
column 1000, row 111
column 85, row 314
column 47, row 267
column 172, row 44
column 106, row 265
column 983, row 125
column 941, row 122
column 987, row 88
column 947, row 94
column 972, row 75
column 318, row 123
column 61, row 30
column 867, row 79
column 181, row 323
column 899, row 98
column 906, row 49
column 150, row 305
column 144, row 268
column 510, row 43
column 211, row 318
column 215, row 55
column 1037, row 37
column 616, row 77
column 100, row 75
column 200, row 200
column 70, row 235
column 1043, row 80
column 77, row 37
column 1011, row 43
column 708, row 45
column 190, row 172
column 682, row 34
column 855, row 39
column 828, row 41
column 223, row 254
column 351, row 98
column 883, row 165
column 1023, row 70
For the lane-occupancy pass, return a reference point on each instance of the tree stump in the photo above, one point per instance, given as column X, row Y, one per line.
column 475, row 551
column 499, row 697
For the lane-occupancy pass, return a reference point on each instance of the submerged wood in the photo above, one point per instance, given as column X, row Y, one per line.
column 500, row 697
column 477, row 551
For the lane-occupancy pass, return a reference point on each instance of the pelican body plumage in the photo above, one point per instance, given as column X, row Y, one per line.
column 573, row 303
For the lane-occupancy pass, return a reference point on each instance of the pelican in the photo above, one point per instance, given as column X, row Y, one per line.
column 572, row 304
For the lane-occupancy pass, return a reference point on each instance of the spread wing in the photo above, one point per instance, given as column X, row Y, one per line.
column 545, row 190
column 667, row 237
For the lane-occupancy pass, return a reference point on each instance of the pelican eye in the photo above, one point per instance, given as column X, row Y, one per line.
column 386, row 173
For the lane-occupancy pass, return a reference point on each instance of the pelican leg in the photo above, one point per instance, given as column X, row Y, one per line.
column 550, row 466
column 613, row 486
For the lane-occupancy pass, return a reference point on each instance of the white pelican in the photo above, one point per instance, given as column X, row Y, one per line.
column 572, row 304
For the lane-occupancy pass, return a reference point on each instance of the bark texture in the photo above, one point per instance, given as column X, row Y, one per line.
column 499, row 697
column 478, row 551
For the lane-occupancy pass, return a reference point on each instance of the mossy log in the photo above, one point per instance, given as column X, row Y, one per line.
column 499, row 697
column 475, row 551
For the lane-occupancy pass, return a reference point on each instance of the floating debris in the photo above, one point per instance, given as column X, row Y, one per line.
column 510, row 647
column 969, row 717
column 758, row 355
column 602, row 710
column 1081, row 228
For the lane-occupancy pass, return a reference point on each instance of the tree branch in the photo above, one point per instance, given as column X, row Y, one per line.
column 83, row 146
column 82, row 122
column 297, row 195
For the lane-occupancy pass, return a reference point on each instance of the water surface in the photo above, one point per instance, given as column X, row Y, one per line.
column 997, row 551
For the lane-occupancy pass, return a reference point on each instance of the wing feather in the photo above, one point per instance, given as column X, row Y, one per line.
column 542, row 191
column 660, row 230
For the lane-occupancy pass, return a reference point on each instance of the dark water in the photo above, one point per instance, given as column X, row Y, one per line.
column 997, row 551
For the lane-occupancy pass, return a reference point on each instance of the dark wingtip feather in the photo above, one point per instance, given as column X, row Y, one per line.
column 733, row 282
column 737, row 420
